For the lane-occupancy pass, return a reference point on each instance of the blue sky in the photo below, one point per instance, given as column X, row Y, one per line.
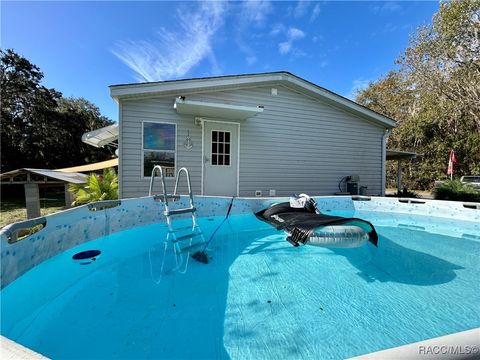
column 82, row 47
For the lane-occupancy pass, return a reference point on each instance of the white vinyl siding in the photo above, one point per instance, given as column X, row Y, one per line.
column 298, row 143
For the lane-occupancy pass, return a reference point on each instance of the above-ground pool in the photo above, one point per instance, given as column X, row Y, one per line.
column 257, row 298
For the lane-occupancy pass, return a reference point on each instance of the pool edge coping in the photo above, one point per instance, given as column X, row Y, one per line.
column 431, row 348
column 10, row 350
column 441, row 347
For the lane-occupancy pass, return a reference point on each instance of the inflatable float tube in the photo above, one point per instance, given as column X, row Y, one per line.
column 338, row 236
column 307, row 225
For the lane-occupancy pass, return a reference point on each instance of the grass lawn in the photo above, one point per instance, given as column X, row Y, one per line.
column 13, row 209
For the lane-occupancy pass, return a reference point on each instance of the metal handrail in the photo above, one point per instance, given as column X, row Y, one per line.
column 189, row 184
column 162, row 178
column 172, row 233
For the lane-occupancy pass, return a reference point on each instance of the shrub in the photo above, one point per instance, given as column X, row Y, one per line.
column 456, row 190
column 405, row 193
column 97, row 188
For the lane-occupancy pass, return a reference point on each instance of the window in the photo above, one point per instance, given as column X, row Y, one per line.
column 220, row 147
column 159, row 143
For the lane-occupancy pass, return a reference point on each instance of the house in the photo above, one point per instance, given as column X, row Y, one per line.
column 247, row 135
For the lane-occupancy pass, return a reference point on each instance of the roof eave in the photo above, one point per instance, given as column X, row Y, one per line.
column 144, row 89
column 341, row 101
column 133, row 90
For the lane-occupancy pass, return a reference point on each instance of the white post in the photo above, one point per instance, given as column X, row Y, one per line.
column 32, row 200
column 399, row 176
column 68, row 197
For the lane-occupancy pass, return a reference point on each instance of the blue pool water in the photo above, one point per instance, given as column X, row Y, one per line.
column 258, row 298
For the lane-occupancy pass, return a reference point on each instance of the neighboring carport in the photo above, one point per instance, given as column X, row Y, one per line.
column 400, row 156
column 31, row 179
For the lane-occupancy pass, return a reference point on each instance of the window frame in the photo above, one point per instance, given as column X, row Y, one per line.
column 230, row 143
column 142, row 150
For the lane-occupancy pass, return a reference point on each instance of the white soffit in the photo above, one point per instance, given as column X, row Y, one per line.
column 101, row 137
column 215, row 110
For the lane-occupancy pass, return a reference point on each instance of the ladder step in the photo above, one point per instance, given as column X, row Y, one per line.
column 193, row 246
column 169, row 197
column 187, row 237
column 179, row 211
column 192, row 228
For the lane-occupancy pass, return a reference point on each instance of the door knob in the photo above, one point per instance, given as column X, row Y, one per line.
column 206, row 159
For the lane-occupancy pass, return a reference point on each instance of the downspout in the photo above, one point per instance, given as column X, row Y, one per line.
column 385, row 135
column 120, row 150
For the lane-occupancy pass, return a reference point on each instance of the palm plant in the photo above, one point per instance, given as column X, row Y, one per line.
column 97, row 188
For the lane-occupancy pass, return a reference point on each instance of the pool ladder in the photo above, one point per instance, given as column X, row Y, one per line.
column 195, row 231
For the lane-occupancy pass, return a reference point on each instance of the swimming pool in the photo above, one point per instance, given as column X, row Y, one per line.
column 259, row 297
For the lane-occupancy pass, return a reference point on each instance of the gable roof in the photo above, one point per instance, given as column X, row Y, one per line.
column 135, row 90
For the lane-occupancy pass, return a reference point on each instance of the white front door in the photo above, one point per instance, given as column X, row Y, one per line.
column 220, row 149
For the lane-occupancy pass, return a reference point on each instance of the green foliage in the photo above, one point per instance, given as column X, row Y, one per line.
column 456, row 190
column 40, row 128
column 97, row 188
column 434, row 96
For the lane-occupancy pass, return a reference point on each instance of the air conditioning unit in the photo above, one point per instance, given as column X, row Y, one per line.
column 352, row 184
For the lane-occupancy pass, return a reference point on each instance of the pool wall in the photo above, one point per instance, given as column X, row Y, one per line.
column 72, row 227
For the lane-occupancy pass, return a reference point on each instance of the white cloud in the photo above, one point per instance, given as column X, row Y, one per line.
column 386, row 6
column 293, row 34
column 284, row 47
column 172, row 54
column 252, row 59
column 315, row 12
column 277, row 29
column 317, row 38
column 322, row 64
column 357, row 85
column 301, row 9
column 389, row 27
column 251, row 13
column 255, row 12
column 391, row 6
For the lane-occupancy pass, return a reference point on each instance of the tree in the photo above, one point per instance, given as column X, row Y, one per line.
column 434, row 96
column 40, row 128
column 26, row 106
column 74, row 117
column 96, row 188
